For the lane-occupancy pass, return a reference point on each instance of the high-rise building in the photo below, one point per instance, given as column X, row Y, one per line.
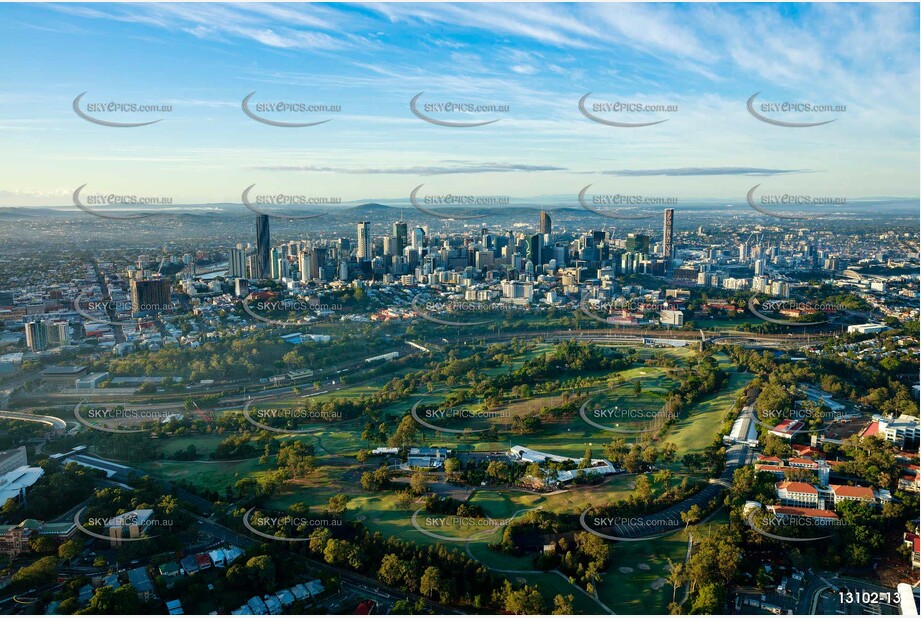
column 418, row 238
column 668, row 237
column 637, row 243
column 545, row 222
column 149, row 295
column 309, row 265
column 534, row 249
column 400, row 234
column 36, row 336
column 57, row 333
column 364, row 240
column 236, row 264
column 263, row 242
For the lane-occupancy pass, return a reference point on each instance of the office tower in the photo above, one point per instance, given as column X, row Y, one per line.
column 668, row 237
column 263, row 258
column 545, row 223
column 637, row 243
column 364, row 240
column 241, row 287
column 36, row 336
column 390, row 242
column 400, row 233
column 418, row 238
column 149, row 295
column 533, row 249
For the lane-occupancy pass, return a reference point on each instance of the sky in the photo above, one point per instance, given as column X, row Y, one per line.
column 530, row 63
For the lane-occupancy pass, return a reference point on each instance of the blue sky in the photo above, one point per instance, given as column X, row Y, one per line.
column 537, row 59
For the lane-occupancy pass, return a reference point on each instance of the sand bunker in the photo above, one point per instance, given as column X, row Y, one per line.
column 658, row 583
column 625, row 570
column 642, row 566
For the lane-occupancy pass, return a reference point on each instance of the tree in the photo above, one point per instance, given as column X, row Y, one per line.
column 338, row 503
column 430, row 582
column 69, row 550
column 691, row 516
column 393, row 570
column 417, row 482
column 108, row 600
column 41, row 571
column 262, row 571
column 562, row 606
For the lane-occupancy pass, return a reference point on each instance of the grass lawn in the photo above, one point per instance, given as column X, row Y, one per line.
column 216, row 475
column 632, row 592
column 698, row 426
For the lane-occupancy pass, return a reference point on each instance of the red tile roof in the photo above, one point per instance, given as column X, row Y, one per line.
column 803, row 512
column 846, row 491
column 871, row 430
column 797, row 487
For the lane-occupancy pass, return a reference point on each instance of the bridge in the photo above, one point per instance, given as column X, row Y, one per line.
column 52, row 421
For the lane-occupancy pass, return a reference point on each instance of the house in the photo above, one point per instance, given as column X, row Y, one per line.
column 285, row 597
column 189, row 565
column 204, row 561
column 314, row 588
column 169, row 569
column 175, row 608
column 142, row 583
column 300, row 592
column 274, row 605
column 111, row 580
column 257, row 606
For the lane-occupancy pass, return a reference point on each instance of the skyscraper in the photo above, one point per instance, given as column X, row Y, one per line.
column 364, row 240
column 545, row 222
column 400, row 234
column 263, row 258
column 36, row 336
column 236, row 264
column 667, row 237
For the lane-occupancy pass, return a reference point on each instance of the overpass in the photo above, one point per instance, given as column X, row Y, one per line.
column 52, row 421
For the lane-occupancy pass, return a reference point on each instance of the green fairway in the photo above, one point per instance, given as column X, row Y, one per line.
column 629, row 587
column 698, row 426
